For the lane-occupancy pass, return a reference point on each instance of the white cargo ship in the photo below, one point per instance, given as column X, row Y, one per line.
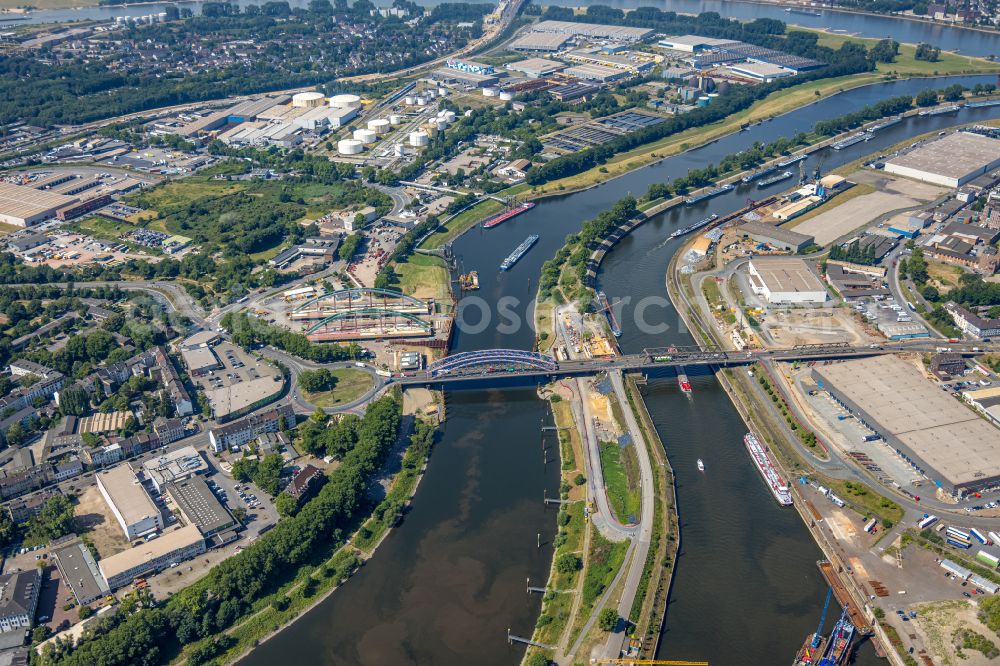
column 762, row 460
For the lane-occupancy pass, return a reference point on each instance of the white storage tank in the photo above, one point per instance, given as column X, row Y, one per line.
column 490, row 92
column 449, row 116
column 419, row 139
column 429, row 94
column 345, row 101
column 379, row 125
column 399, row 150
column 442, row 124
column 442, row 92
column 506, row 96
column 395, row 119
column 410, row 100
column 421, row 101
column 364, row 135
column 308, row 100
column 349, row 147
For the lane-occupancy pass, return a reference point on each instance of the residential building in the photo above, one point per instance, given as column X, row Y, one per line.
column 67, row 470
column 972, row 324
column 168, row 430
column 19, row 599
column 236, row 434
column 23, row 509
column 304, row 483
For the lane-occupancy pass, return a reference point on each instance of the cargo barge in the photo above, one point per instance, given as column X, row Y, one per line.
column 851, row 140
column 885, row 123
column 694, row 227
column 518, row 252
column 497, row 220
column 602, row 301
column 983, row 104
column 791, row 160
column 940, row 112
column 839, row 645
column 785, row 175
column 711, row 193
column 809, row 654
column 749, row 178
column 762, row 461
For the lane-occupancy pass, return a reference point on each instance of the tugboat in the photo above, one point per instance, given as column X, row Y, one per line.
column 682, row 381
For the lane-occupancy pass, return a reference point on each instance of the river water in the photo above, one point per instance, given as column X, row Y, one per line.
column 949, row 38
column 446, row 586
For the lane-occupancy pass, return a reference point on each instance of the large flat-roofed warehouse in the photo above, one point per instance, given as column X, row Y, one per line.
column 540, row 42
column 935, row 433
column 129, row 501
column 24, row 206
column 593, row 30
column 785, row 280
column 536, row 68
column 952, row 160
column 199, row 506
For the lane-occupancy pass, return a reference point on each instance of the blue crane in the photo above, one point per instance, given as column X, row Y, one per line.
column 818, row 636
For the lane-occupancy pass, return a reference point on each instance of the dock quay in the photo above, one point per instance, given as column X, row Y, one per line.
column 858, row 618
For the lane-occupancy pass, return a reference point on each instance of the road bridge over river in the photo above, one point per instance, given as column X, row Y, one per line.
column 496, row 365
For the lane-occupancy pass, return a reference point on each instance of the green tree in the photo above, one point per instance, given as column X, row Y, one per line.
column 608, row 619
column 568, row 563
column 268, row 473
column 286, row 504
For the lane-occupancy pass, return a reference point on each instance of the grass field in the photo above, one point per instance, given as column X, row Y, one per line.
column 604, row 559
column 424, row 276
column 906, row 62
column 461, row 222
column 8, row 229
column 621, row 478
column 946, row 274
column 351, row 385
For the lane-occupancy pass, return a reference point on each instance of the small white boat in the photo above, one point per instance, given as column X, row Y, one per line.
column 701, row 465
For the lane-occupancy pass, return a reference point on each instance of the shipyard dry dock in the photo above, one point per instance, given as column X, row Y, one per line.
column 933, row 432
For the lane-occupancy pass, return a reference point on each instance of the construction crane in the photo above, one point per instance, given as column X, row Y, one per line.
column 818, row 636
column 668, row 662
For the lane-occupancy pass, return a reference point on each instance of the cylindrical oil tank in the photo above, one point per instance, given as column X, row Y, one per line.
column 410, row 100
column 490, row 92
column 449, row 116
column 506, row 96
column 308, row 100
column 442, row 92
column 419, row 139
column 395, row 119
column 349, row 147
column 344, row 101
column 364, row 135
column 379, row 125
column 399, row 150
column 442, row 124
column 421, row 101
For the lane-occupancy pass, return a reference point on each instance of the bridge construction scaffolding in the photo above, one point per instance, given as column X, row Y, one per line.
column 369, row 324
column 363, row 298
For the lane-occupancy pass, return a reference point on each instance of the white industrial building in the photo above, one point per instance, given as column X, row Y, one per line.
column 129, row 502
column 952, row 160
column 785, row 280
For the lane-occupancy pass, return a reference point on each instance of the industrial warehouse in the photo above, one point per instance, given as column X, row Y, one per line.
column 952, row 160
column 938, row 436
column 785, row 280
column 24, row 206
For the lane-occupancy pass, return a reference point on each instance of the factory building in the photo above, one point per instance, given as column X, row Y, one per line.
column 785, row 280
column 24, row 206
column 935, row 434
column 79, row 570
column 199, row 506
column 178, row 465
column 459, row 77
column 692, row 43
column 760, row 71
column 129, row 502
column 952, row 160
column 598, row 73
column 540, row 42
column 783, row 239
column 536, row 68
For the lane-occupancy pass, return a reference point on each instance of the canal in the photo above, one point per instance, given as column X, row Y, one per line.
column 948, row 38
column 448, row 583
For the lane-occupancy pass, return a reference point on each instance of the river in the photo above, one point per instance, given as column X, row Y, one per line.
column 948, row 38
column 448, row 583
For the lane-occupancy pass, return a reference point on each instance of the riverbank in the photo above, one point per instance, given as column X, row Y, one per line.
column 305, row 592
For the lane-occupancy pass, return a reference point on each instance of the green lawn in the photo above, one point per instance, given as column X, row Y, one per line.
column 621, row 478
column 603, row 561
column 351, row 385
column 906, row 62
column 461, row 222
column 424, row 276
